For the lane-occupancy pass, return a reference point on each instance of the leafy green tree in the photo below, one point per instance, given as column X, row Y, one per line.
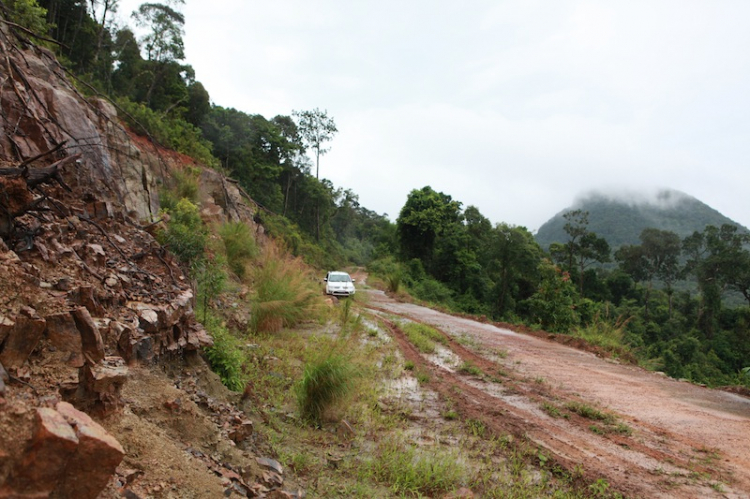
column 713, row 257
column 514, row 258
column 316, row 128
column 163, row 42
column 552, row 306
column 583, row 247
column 426, row 215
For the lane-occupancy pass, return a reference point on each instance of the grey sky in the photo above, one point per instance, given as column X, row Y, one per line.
column 516, row 107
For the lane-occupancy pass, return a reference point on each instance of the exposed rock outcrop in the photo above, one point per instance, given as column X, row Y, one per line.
column 87, row 291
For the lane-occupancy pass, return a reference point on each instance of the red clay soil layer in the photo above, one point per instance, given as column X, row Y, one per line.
column 670, row 439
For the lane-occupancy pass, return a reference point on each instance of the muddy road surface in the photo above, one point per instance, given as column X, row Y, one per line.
column 615, row 425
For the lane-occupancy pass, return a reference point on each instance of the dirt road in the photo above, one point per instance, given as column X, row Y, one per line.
column 639, row 432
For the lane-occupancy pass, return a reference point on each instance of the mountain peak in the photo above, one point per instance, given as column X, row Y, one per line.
column 620, row 215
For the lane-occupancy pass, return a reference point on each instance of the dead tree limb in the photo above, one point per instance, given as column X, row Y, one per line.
column 38, row 176
column 42, row 154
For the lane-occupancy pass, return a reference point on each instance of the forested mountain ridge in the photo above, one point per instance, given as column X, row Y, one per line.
column 620, row 219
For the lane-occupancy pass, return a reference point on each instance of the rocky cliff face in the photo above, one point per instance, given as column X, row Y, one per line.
column 86, row 293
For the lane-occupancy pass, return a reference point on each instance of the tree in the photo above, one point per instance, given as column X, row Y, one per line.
column 426, row 215
column 655, row 258
column 164, row 41
column 713, row 257
column 583, row 247
column 514, row 258
column 316, row 128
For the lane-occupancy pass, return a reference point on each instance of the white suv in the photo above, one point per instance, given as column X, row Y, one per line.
column 339, row 284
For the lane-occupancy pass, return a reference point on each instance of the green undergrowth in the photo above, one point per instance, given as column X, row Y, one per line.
column 423, row 337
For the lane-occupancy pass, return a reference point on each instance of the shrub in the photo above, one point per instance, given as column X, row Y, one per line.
column 326, row 383
column 184, row 185
column 174, row 133
column 225, row 356
column 240, row 246
column 210, row 277
column 185, row 236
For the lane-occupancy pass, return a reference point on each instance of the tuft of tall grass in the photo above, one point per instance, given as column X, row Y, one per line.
column 605, row 333
column 240, row 246
column 393, row 282
column 422, row 336
column 325, row 385
column 412, row 472
column 184, row 185
column 284, row 294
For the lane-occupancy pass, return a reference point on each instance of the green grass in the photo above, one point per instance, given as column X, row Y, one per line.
column 590, row 412
column 284, row 296
column 423, row 337
column 325, row 385
column 605, row 333
column 240, row 246
column 410, row 471
column 471, row 369
column 225, row 357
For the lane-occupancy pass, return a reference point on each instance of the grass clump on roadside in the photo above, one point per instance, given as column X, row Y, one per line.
column 410, row 471
column 604, row 333
column 325, row 385
column 422, row 336
column 471, row 369
column 588, row 412
column 284, row 294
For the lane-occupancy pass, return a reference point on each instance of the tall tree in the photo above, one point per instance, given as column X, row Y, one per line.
column 713, row 256
column 426, row 215
column 316, row 128
column 583, row 247
column 514, row 258
column 655, row 258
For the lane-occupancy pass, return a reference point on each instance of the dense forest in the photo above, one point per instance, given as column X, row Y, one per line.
column 437, row 250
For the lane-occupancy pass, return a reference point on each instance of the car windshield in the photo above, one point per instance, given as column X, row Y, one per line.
column 339, row 278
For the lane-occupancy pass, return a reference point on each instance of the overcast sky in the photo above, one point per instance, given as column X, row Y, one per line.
column 515, row 107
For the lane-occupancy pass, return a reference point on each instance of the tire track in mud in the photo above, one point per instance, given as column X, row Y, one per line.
column 650, row 462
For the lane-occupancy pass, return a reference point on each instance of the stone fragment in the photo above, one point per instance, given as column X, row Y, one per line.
column 242, row 431
column 64, row 335
column 149, row 320
column 132, row 345
column 44, row 462
column 83, row 296
column 92, row 345
column 21, row 340
column 270, row 464
column 6, row 326
column 100, row 386
column 95, row 459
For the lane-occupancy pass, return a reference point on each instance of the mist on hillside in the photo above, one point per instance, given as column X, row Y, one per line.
column 662, row 198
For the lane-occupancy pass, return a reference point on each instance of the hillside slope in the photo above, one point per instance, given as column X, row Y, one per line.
column 621, row 219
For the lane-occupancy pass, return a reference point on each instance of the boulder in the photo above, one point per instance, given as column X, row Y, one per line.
column 62, row 333
column 96, row 457
column 22, row 338
column 44, row 462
